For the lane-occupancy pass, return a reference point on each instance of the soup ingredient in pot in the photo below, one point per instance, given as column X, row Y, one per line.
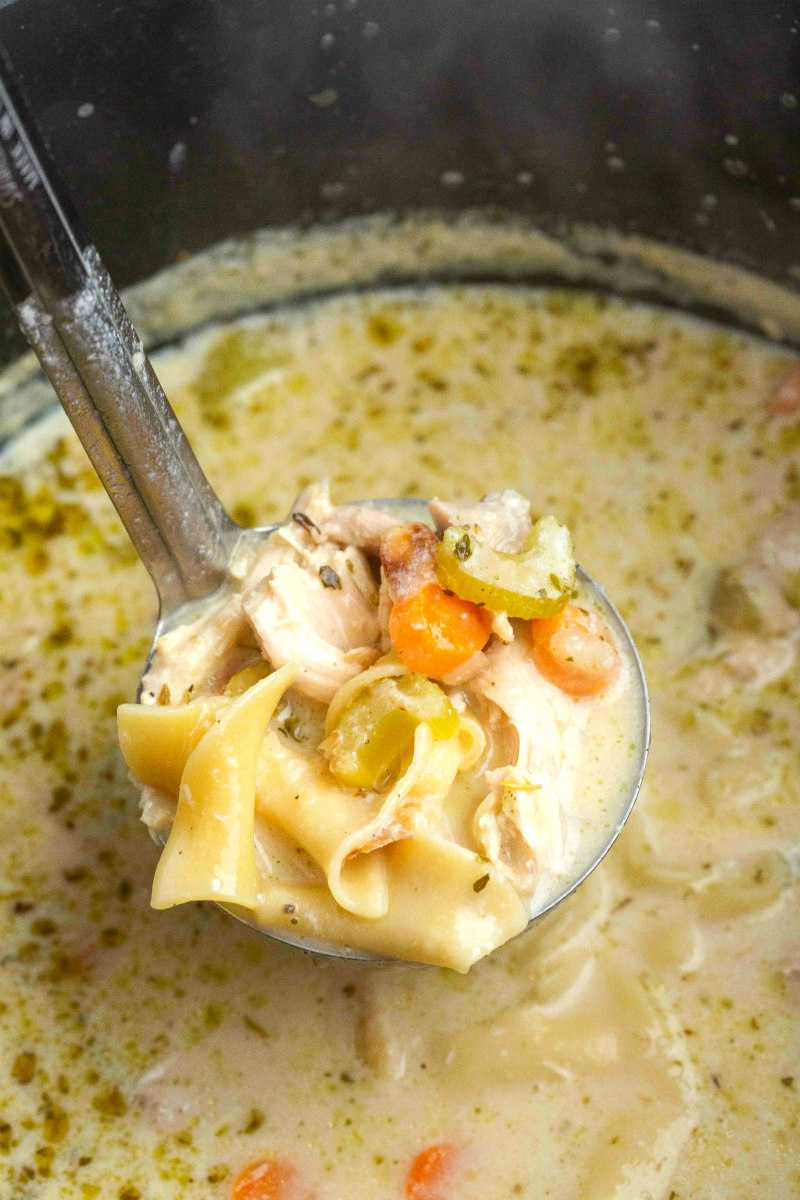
column 375, row 729
column 420, row 706
column 536, row 582
column 575, row 651
column 271, row 1179
column 435, row 632
column 432, row 1171
column 784, row 399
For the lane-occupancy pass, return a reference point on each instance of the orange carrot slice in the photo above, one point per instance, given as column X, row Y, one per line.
column 575, row 651
column 784, row 399
column 270, row 1179
column 429, row 1172
column 435, row 632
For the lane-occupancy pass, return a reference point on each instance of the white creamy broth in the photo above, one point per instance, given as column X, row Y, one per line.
column 641, row 1041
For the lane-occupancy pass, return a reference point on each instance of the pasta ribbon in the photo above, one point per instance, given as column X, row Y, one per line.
column 434, row 912
column 472, row 741
column 210, row 852
column 602, row 1025
column 343, row 829
column 156, row 742
column 415, row 800
column 743, row 885
column 388, row 667
column 644, row 864
column 300, row 796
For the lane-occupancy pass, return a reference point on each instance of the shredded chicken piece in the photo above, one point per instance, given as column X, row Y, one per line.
column 408, row 556
column 779, row 545
column 744, row 661
column 314, row 504
column 347, row 524
column 357, row 525
column 502, row 627
column 321, row 614
column 382, row 1043
column 158, row 812
column 196, row 657
column 468, row 670
column 520, row 823
column 502, row 520
column 754, row 613
column 754, row 596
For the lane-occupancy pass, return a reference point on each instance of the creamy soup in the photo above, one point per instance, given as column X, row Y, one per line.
column 639, row 1042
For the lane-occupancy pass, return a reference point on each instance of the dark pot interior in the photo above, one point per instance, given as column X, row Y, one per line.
column 175, row 125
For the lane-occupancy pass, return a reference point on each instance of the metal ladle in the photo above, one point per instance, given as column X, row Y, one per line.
column 74, row 319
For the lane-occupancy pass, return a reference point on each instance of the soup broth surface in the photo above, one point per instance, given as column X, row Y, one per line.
column 639, row 1042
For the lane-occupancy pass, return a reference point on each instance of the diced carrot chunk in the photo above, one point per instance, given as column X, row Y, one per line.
column 270, row 1179
column 784, row 399
column 429, row 1172
column 575, row 651
column 435, row 632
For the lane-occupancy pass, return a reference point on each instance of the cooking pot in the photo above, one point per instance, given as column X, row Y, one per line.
column 644, row 147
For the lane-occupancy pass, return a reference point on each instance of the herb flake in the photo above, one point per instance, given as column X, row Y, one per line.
column 305, row 522
column 463, row 548
column 329, row 577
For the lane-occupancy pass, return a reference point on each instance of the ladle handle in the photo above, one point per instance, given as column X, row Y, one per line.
column 72, row 316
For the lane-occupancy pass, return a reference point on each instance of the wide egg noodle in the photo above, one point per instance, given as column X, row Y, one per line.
column 746, row 883
column 298, row 795
column 156, row 741
column 210, row 852
column 614, row 1035
column 343, row 829
column 472, row 742
column 434, row 912
column 388, row 667
column 415, row 801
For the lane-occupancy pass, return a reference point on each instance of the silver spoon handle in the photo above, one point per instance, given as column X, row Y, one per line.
column 73, row 318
